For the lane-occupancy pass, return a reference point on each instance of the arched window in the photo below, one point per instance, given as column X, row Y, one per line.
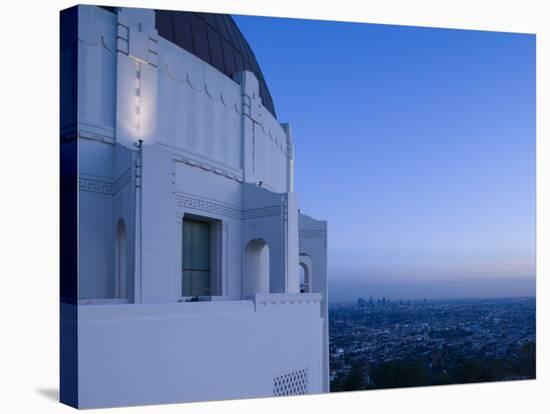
column 256, row 268
column 121, row 289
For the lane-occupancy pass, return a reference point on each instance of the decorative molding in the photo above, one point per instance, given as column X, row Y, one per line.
column 122, row 181
column 286, row 298
column 105, row 186
column 212, row 207
column 208, row 167
column 285, row 209
column 311, row 234
column 232, row 104
column 95, row 185
column 261, row 212
column 123, row 38
column 206, row 206
column 95, row 132
column 241, row 103
column 101, row 41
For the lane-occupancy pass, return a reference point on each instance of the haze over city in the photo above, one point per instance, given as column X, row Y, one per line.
column 418, row 147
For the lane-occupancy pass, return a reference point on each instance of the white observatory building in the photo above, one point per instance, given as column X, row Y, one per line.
column 181, row 235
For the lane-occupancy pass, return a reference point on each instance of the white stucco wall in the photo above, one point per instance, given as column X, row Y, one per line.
column 160, row 353
column 209, row 149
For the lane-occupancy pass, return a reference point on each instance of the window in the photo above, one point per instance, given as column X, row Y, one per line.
column 196, row 258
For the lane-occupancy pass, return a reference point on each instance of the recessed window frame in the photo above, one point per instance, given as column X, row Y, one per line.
column 216, row 252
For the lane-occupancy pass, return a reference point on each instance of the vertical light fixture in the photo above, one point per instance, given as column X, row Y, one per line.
column 137, row 98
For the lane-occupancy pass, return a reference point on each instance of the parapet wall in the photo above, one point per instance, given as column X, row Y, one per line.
column 154, row 353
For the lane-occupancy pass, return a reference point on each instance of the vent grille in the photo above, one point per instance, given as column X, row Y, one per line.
column 292, row 383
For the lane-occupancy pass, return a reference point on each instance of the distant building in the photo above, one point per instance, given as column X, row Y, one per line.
column 180, row 219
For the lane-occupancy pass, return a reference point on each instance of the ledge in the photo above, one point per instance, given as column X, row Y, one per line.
column 103, row 301
column 286, row 298
column 156, row 311
column 117, row 309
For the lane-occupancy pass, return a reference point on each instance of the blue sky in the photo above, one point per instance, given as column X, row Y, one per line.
column 418, row 147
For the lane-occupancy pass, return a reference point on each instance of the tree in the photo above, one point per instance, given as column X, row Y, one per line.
column 528, row 360
column 399, row 373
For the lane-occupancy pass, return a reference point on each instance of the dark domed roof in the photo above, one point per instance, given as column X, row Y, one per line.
column 214, row 38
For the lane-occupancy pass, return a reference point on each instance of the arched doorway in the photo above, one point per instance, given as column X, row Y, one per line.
column 304, row 278
column 121, row 290
column 305, row 273
column 256, row 278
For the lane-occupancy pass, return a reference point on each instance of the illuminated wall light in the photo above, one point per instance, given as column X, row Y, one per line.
column 137, row 94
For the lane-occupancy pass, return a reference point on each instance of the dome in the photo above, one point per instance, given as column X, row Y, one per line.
column 214, row 38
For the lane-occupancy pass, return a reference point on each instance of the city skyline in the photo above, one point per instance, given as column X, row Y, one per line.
column 460, row 289
column 418, row 146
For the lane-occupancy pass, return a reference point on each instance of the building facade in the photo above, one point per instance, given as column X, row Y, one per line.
column 181, row 235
